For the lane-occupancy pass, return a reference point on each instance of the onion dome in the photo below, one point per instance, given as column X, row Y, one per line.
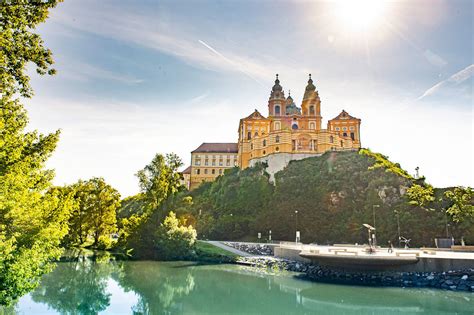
column 291, row 108
column 277, row 90
column 310, row 90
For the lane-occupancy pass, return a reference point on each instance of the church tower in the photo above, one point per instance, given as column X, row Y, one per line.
column 276, row 102
column 311, row 105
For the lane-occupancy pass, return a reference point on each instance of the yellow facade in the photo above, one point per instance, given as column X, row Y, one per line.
column 289, row 129
column 209, row 161
column 294, row 130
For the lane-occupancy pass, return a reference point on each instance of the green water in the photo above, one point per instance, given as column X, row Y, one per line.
column 185, row 288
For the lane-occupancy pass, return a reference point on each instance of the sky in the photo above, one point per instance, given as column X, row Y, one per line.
column 136, row 78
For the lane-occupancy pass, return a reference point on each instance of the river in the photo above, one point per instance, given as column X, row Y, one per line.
column 149, row 287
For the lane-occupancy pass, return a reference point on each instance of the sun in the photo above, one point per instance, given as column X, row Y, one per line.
column 360, row 15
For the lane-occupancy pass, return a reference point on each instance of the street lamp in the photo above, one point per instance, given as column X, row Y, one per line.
column 296, row 226
column 373, row 213
column 371, row 237
column 270, row 236
column 398, row 228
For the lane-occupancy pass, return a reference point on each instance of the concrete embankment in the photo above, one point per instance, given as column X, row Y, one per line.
column 460, row 279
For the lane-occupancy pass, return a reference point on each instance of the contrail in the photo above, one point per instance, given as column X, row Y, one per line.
column 237, row 66
column 456, row 78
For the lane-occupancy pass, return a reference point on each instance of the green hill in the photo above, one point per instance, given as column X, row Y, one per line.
column 334, row 195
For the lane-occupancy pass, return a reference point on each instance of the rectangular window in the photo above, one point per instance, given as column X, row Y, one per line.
column 197, row 171
column 213, row 171
column 293, row 145
column 206, row 162
column 352, row 136
column 213, row 162
column 197, row 162
column 205, row 171
column 227, row 163
column 221, row 163
column 220, row 171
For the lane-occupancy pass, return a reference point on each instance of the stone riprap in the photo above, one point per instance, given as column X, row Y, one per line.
column 252, row 248
column 462, row 280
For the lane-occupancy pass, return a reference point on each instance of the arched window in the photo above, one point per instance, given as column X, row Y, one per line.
column 264, row 152
column 213, row 171
column 264, row 143
column 331, row 139
column 294, row 126
column 277, row 110
column 255, row 134
column 277, row 125
column 312, row 125
column 277, row 149
column 345, row 134
column 352, row 136
column 342, row 144
column 251, row 146
column 277, row 139
column 249, row 135
column 311, row 110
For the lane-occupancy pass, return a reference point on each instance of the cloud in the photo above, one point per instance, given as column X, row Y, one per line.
column 82, row 71
column 145, row 29
column 455, row 79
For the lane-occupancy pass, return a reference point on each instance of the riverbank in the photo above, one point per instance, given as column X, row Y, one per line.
column 456, row 280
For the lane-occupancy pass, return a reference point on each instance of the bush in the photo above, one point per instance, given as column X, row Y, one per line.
column 174, row 241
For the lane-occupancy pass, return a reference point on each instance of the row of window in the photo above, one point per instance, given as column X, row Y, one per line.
column 198, row 156
column 206, row 171
column 214, row 163
column 345, row 128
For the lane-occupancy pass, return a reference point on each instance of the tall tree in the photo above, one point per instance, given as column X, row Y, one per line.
column 33, row 215
column 160, row 179
column 96, row 211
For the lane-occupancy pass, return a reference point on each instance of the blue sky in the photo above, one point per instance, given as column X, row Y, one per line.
column 140, row 77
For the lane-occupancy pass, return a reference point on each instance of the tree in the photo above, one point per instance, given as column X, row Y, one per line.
column 174, row 240
column 33, row 215
column 96, row 212
column 160, row 179
column 462, row 203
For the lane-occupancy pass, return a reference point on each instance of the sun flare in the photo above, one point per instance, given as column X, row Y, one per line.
column 360, row 15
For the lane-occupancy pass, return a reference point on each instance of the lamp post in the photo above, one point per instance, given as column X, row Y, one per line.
column 270, row 236
column 398, row 228
column 296, row 225
column 373, row 213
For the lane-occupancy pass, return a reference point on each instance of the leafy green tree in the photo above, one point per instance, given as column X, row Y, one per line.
column 462, row 206
column 96, row 212
column 174, row 240
column 160, row 179
column 33, row 215
column 20, row 46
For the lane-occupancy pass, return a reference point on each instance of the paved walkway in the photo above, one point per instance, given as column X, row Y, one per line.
column 230, row 249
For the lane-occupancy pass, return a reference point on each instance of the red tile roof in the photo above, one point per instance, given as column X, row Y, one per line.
column 187, row 170
column 217, row 147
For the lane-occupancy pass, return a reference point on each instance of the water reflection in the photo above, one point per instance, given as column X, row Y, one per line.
column 84, row 287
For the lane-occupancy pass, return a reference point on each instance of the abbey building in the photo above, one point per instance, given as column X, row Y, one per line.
column 288, row 133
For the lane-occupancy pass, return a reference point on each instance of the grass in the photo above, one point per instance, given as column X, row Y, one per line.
column 211, row 253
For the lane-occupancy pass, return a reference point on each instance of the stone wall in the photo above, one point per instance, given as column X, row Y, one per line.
column 253, row 248
column 460, row 280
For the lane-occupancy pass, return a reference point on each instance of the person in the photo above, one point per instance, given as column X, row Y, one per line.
column 390, row 247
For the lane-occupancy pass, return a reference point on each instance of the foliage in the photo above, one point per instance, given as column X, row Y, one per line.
column 334, row 195
column 462, row 207
column 33, row 215
column 160, row 179
column 420, row 195
column 95, row 213
column 174, row 240
column 20, row 46
column 382, row 161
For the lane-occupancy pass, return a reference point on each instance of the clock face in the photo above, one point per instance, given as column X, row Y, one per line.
column 294, row 126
